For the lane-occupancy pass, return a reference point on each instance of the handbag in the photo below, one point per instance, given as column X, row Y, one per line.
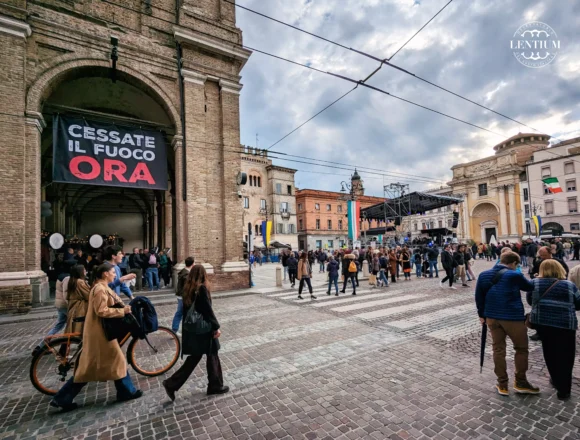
column 194, row 323
column 117, row 328
column 528, row 320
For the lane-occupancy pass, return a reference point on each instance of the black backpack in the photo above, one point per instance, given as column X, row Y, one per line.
column 145, row 314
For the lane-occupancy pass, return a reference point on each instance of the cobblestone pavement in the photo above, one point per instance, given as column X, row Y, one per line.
column 399, row 362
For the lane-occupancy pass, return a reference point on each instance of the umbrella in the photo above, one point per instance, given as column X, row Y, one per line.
column 483, row 339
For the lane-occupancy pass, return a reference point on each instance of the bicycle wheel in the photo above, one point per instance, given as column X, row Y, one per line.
column 54, row 365
column 156, row 357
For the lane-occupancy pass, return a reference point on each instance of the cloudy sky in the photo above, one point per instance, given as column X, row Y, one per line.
column 465, row 49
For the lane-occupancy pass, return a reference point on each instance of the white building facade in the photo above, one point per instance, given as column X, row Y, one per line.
column 558, row 211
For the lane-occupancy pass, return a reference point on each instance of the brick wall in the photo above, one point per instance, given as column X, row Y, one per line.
column 222, row 281
column 17, row 299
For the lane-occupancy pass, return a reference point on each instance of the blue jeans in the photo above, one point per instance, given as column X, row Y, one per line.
column 383, row 277
column 333, row 279
column 152, row 272
column 178, row 315
column 322, row 266
column 433, row 264
column 348, row 278
column 58, row 326
column 70, row 389
column 285, row 272
column 418, row 269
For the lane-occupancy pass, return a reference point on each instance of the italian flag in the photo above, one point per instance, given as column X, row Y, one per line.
column 552, row 184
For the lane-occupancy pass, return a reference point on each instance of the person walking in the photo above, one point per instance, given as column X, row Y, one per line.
column 480, row 251
column 181, row 281
column 292, row 269
column 383, row 264
column 196, row 294
column 433, row 255
column 459, row 264
column 448, row 263
column 304, row 275
column 349, row 270
column 531, row 253
column 554, row 302
column 499, row 305
column 576, row 247
column 284, row 260
column 77, row 296
column 152, row 270
column 164, row 269
column 332, row 268
column 322, row 257
column 393, row 265
column 405, row 261
column 100, row 360
column 375, row 267
column 61, row 305
column 418, row 260
column 113, row 256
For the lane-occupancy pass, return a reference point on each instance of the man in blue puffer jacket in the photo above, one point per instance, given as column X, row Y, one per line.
column 499, row 304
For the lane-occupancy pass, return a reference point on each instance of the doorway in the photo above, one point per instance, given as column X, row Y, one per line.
column 490, row 232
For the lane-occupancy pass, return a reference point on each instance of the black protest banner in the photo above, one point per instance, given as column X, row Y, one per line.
column 96, row 153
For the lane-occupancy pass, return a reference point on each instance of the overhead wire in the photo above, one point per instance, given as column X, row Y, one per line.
column 321, row 71
column 365, row 80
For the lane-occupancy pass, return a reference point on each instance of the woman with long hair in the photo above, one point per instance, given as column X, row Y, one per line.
column 77, row 296
column 304, row 274
column 406, row 263
column 101, row 360
column 196, row 294
column 554, row 302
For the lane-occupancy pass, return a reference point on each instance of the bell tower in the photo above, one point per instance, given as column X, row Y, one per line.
column 357, row 184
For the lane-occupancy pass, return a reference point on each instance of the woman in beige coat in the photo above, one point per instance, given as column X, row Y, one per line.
column 100, row 360
column 304, row 275
column 77, row 296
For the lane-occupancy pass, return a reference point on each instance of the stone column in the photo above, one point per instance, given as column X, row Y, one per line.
column 513, row 216
column 503, row 224
column 168, row 227
column 200, row 169
column 231, row 165
column 465, row 214
column 180, row 206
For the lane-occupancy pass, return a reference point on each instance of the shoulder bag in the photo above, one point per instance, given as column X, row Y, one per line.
column 194, row 323
column 117, row 328
column 529, row 315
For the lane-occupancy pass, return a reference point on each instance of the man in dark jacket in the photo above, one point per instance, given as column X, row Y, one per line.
column 181, row 280
column 531, row 252
column 292, row 268
column 347, row 274
column 432, row 255
column 545, row 253
column 447, row 262
column 136, row 267
column 499, row 304
column 285, row 255
column 332, row 269
column 459, row 263
column 322, row 259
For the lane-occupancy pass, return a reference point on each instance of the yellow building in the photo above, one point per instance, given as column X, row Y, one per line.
column 491, row 189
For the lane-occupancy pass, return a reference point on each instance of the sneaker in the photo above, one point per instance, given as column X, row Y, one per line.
column 453, row 287
column 313, row 297
column 525, row 387
column 441, row 283
column 563, row 396
column 300, row 297
column 36, row 351
column 535, row 337
column 64, row 408
column 502, row 390
column 465, row 285
column 328, row 293
column 336, row 294
column 178, row 334
column 136, row 395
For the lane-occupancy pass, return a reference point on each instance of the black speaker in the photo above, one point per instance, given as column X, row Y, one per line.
column 455, row 219
column 397, row 221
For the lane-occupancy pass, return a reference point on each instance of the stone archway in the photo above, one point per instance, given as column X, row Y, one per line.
column 552, row 227
column 485, row 209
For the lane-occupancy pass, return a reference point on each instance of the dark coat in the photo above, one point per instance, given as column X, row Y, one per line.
column 292, row 264
column 181, row 279
column 447, row 260
column 538, row 261
column 332, row 268
column 201, row 344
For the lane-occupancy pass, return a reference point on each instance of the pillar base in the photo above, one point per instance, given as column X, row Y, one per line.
column 20, row 291
column 234, row 266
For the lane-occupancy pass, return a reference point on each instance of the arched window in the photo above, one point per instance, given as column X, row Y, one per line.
column 415, row 226
column 251, row 184
column 259, row 181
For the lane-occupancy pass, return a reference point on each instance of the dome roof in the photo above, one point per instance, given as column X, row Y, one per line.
column 527, row 137
column 356, row 175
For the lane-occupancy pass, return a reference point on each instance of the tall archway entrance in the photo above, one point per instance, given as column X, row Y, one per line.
column 115, row 203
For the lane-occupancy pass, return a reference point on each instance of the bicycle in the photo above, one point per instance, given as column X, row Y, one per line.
column 51, row 366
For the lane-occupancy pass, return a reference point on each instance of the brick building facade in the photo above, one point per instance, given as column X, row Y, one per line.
column 322, row 216
column 55, row 57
